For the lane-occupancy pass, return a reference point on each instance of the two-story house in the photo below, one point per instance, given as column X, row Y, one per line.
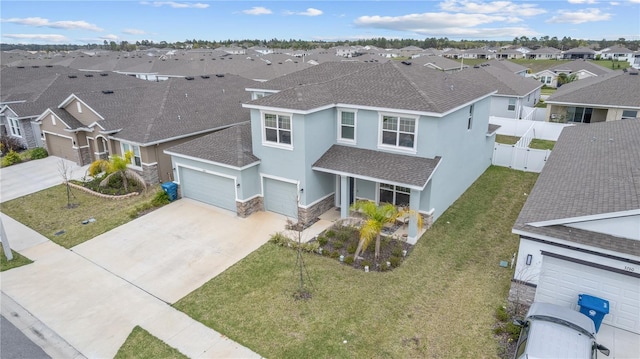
column 337, row 132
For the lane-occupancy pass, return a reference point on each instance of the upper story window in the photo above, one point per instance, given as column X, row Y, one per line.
column 399, row 132
column 136, row 160
column 347, row 126
column 277, row 129
column 512, row 104
column 14, row 127
column 629, row 114
column 470, row 118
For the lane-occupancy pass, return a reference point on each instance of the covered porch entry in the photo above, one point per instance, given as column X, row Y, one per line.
column 382, row 177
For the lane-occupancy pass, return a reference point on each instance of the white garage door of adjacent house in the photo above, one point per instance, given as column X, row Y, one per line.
column 562, row 281
column 281, row 197
column 208, row 188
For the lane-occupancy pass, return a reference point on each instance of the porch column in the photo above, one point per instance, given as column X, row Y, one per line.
column 414, row 206
column 344, row 196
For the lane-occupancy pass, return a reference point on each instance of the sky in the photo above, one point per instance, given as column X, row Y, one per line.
column 83, row 21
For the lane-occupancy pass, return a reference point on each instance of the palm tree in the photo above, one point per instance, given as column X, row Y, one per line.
column 563, row 78
column 375, row 219
column 117, row 166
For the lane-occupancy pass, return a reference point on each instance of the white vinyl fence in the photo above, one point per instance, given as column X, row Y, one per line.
column 542, row 130
column 519, row 158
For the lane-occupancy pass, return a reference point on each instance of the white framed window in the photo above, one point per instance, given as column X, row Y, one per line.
column 347, row 126
column 512, row 104
column 14, row 127
column 398, row 132
column 396, row 195
column 257, row 95
column 277, row 130
column 470, row 118
column 629, row 114
column 136, row 160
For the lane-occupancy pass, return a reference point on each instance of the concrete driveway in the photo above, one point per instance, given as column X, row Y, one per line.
column 33, row 176
column 94, row 294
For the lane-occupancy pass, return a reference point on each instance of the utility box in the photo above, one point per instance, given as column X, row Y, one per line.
column 171, row 189
column 594, row 308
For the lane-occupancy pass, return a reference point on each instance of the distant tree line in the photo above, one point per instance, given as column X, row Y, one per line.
column 438, row 43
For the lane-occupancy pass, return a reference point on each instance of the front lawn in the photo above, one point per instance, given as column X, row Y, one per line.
column 140, row 344
column 17, row 261
column 441, row 302
column 46, row 212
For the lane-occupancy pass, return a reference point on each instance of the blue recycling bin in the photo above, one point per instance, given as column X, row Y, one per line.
column 594, row 308
column 171, row 189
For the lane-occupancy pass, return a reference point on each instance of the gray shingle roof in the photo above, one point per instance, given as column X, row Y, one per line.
column 593, row 169
column 577, row 65
column 384, row 166
column 613, row 89
column 313, row 75
column 231, row 146
column 27, row 83
column 390, row 85
column 507, row 65
column 545, row 50
column 505, row 82
column 439, row 61
column 492, row 128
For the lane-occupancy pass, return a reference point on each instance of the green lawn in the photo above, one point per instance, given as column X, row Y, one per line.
column 17, row 261
column 46, row 212
column 440, row 303
column 542, row 144
column 507, row 140
column 142, row 345
column 548, row 91
column 613, row 65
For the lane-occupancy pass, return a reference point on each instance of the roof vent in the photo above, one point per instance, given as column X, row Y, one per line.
column 21, row 67
column 189, row 78
column 633, row 72
column 219, row 75
column 476, row 66
column 88, row 75
column 104, row 74
column 107, row 92
column 72, row 76
column 35, row 67
column 205, row 76
column 406, row 63
column 49, row 66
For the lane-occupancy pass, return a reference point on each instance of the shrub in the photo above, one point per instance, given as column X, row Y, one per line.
column 330, row 234
column 334, row 254
column 397, row 251
column 513, row 330
column 348, row 260
column 395, row 261
column 338, row 244
column 8, row 144
column 351, row 249
column 384, row 267
column 11, row 158
column 344, row 234
column 280, row 239
column 160, row 199
column 310, row 247
column 38, row 153
column 366, row 263
column 322, row 240
column 502, row 314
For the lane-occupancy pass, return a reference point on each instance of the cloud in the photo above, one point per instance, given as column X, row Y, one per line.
column 42, row 22
column 614, row 3
column 309, row 12
column 579, row 16
column 37, row 37
column 492, row 7
column 257, row 10
column 635, row 1
column 109, row 37
column 134, row 32
column 176, row 5
column 582, row 1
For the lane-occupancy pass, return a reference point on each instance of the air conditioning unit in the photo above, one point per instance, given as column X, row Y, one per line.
column 554, row 116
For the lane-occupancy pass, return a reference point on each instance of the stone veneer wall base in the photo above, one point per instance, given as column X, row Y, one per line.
column 308, row 215
column 245, row 209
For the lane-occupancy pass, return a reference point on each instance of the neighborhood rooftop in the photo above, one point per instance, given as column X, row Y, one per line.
column 612, row 89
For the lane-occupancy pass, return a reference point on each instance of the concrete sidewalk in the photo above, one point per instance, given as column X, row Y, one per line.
column 94, row 310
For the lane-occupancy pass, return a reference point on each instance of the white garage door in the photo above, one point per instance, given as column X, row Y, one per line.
column 208, row 188
column 562, row 281
column 281, row 197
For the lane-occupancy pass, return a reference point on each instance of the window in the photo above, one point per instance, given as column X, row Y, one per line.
column 257, row 95
column 628, row 114
column 396, row 195
column 14, row 127
column 470, row 118
column 512, row 104
column 398, row 131
column 347, row 126
column 136, row 160
column 546, row 80
column 579, row 114
column 277, row 128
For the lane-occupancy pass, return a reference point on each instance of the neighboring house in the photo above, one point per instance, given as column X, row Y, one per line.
column 103, row 117
column 438, row 63
column 409, row 51
column 580, row 68
column 611, row 97
column 508, row 66
column 545, row 53
column 514, row 92
column 509, row 54
column 452, row 54
column 583, row 53
column 617, row 53
column 337, row 132
column 478, row 54
column 579, row 228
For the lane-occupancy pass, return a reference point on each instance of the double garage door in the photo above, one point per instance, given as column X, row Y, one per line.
column 281, row 197
column 208, row 188
column 561, row 282
column 60, row 147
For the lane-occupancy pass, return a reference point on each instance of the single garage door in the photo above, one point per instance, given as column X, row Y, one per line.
column 281, row 197
column 562, row 281
column 60, row 147
column 208, row 188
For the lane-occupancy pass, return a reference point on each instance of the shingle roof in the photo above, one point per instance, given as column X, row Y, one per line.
column 439, row 61
column 390, row 85
column 593, row 169
column 231, row 146
column 577, row 65
column 313, row 75
column 580, row 50
column 506, row 65
column 505, row 82
column 27, row 83
column 383, row 166
column 617, row 50
column 546, row 50
column 614, row 89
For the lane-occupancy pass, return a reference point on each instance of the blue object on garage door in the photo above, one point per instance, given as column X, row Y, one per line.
column 171, row 189
column 594, row 308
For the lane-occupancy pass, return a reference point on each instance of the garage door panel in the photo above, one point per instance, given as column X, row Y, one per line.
column 208, row 188
column 60, row 147
column 281, row 197
column 622, row 291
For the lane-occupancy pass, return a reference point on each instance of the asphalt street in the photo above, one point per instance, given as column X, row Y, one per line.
column 15, row 345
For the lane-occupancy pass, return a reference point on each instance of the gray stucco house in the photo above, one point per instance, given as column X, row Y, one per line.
column 337, row 132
